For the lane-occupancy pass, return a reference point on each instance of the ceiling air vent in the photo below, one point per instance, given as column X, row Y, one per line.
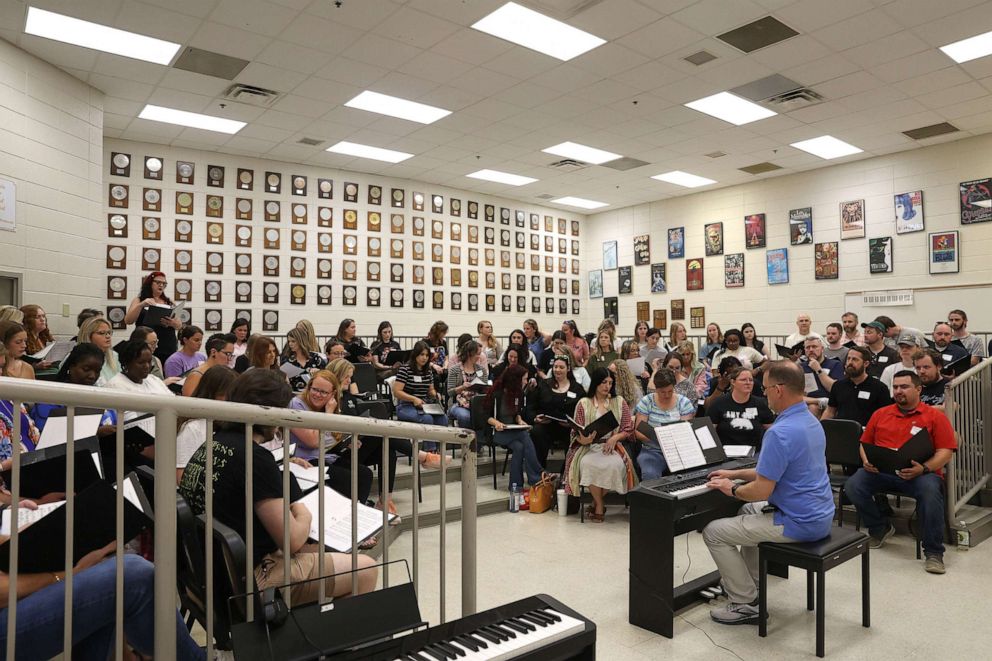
column 545, row 196
column 715, row 154
column 255, row 96
column 759, row 34
column 311, row 142
column 625, row 163
column 760, row 168
column 568, row 165
column 930, row 131
column 778, row 93
column 700, row 58
column 801, row 97
column 209, row 63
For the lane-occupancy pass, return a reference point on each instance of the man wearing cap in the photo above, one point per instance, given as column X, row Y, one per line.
column 893, row 331
column 928, row 363
column 881, row 355
column 852, row 332
column 820, row 374
column 803, row 324
column 972, row 343
column 907, row 345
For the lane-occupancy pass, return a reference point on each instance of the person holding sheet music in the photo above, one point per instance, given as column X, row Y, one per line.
column 891, row 427
column 661, row 407
column 383, row 344
column 602, row 353
column 15, row 341
column 471, row 367
column 262, row 387
column 788, row 496
column 599, row 461
column 505, row 402
column 82, row 368
column 39, row 336
column 97, row 331
column 241, row 330
column 549, row 407
column 413, row 387
column 188, row 357
column 352, row 343
column 220, row 348
column 739, row 416
column 515, row 354
column 214, row 385
column 304, row 358
column 152, row 293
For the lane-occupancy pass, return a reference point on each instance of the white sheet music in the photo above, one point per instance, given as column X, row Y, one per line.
column 307, row 477
column 337, row 519
column 735, row 451
column 706, row 441
column 680, row 446
column 26, row 517
column 56, row 428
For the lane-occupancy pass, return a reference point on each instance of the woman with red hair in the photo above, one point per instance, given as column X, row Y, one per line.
column 153, row 293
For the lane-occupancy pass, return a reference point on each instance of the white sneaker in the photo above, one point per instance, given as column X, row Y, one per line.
column 732, row 613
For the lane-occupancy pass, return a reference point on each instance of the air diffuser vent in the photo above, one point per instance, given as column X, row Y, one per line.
column 545, row 196
column 625, row 163
column 568, row 165
column 760, row 168
column 759, row 34
column 715, row 154
column 700, row 58
column 210, row 64
column 801, row 97
column 312, row 142
column 930, row 131
column 255, row 96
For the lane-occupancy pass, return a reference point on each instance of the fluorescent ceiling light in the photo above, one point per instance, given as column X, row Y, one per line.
column 582, row 153
column 530, row 29
column 397, row 107
column 365, row 151
column 502, row 177
column 70, row 30
column 827, row 147
column 731, row 108
column 969, row 49
column 580, row 202
column 191, row 119
column 680, row 178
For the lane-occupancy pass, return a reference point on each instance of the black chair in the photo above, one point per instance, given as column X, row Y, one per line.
column 190, row 567
column 484, row 433
column 843, row 448
column 364, row 378
column 817, row 558
column 230, row 579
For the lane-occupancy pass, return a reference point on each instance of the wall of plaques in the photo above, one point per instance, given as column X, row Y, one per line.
column 276, row 242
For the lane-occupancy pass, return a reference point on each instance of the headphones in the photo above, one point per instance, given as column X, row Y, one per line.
column 273, row 608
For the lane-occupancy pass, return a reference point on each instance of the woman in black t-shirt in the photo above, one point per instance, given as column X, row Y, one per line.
column 384, row 343
column 740, row 417
column 153, row 293
column 553, row 400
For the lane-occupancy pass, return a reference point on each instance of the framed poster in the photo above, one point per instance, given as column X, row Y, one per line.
column 659, row 281
column 697, row 317
column 754, row 230
column 596, row 284
column 976, row 197
column 694, row 274
column 909, row 212
column 880, row 254
column 611, row 309
column 642, row 249
column 801, row 226
column 827, row 263
column 733, row 270
column 943, row 252
column 626, row 280
column 778, row 266
column 609, row 255
column 678, row 309
column 852, row 219
column 713, row 234
column 676, row 243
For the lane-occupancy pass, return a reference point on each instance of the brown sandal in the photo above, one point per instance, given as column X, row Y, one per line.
column 597, row 518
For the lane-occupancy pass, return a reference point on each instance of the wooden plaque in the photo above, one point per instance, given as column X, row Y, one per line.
column 215, row 206
column 120, row 164
column 117, row 225
column 184, row 172
column 215, row 176
column 246, row 179
column 273, row 182
column 299, row 184
column 117, row 257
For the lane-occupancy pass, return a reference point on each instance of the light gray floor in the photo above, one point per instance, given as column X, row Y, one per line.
column 915, row 615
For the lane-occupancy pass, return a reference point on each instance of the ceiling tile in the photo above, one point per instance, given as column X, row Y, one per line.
column 157, row 22
column 331, row 93
column 320, row 34
column 933, row 81
column 713, row 17
column 472, row 46
column 436, row 67
column 377, row 50
column 255, row 16
column 269, row 77
column 229, row 40
column 952, row 95
column 861, row 29
column 811, row 15
column 284, row 120
column 612, row 20
column 188, row 81
column 415, row 28
column 921, row 12
column 661, row 37
column 299, row 105
column 484, row 81
column 293, row 57
column 651, row 75
column 352, row 72
column 908, row 67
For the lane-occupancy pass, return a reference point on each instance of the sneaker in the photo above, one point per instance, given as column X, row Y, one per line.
column 934, row 564
column 433, row 460
column 876, row 541
column 733, row 613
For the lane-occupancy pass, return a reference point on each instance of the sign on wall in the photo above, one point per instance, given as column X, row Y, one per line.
column 8, row 204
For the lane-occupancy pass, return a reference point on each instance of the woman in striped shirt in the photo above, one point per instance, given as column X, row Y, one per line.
column 414, row 386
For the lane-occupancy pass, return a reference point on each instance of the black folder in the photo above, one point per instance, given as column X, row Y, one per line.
column 41, row 546
column 601, row 426
column 785, row 351
column 357, row 351
column 959, row 366
column 918, row 448
column 43, row 471
column 394, row 357
column 154, row 314
column 850, row 344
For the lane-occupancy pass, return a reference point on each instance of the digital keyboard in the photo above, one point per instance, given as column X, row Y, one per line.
column 537, row 627
column 693, row 483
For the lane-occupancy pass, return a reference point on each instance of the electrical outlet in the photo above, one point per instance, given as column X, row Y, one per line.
column 65, row 309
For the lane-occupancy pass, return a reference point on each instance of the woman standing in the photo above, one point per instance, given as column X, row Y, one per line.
column 676, row 336
column 491, row 349
column 301, row 356
column 96, row 330
column 751, row 339
column 602, row 354
column 152, row 293
column 537, row 341
column 435, row 341
column 600, row 462
column 15, row 342
column 241, row 330
column 39, row 336
column 414, row 385
column 550, row 405
column 470, row 366
column 641, row 333
column 575, row 343
column 384, row 343
column 665, row 405
column 505, row 403
column 714, row 341
column 188, row 357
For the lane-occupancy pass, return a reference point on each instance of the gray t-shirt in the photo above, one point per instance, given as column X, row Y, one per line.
column 973, row 344
column 839, row 354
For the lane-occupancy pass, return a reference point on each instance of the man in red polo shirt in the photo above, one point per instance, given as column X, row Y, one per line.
column 890, row 427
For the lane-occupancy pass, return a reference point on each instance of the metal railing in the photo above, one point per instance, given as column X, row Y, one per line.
column 166, row 411
column 968, row 403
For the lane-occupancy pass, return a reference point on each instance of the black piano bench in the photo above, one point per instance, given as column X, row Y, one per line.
column 817, row 558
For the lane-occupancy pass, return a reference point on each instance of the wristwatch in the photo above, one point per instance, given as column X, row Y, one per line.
column 733, row 490
column 926, row 469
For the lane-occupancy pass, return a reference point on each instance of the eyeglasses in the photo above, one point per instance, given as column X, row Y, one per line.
column 160, row 282
column 105, row 333
column 229, row 354
column 320, row 393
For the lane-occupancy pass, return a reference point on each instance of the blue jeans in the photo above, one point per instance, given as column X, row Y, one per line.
column 522, row 455
column 40, row 621
column 462, row 416
column 926, row 490
column 651, row 462
column 407, row 412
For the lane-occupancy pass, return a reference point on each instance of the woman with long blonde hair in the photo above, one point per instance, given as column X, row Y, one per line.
column 97, row 330
column 698, row 374
column 676, row 335
column 491, row 349
column 626, row 386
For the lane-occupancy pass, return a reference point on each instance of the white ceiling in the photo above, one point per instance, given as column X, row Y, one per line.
column 875, row 61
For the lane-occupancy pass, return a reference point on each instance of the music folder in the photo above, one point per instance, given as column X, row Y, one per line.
column 395, row 356
column 41, row 546
column 154, row 314
column 337, row 519
column 785, row 351
column 356, row 351
column 959, row 366
column 44, row 471
column 918, row 448
column 479, row 385
column 54, row 352
column 601, row 426
column 432, row 408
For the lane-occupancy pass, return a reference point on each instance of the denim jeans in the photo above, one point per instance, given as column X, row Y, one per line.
column 652, row 462
column 523, row 455
column 407, row 412
column 40, row 621
column 462, row 416
column 926, row 490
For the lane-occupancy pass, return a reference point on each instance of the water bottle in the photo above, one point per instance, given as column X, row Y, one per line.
column 514, row 498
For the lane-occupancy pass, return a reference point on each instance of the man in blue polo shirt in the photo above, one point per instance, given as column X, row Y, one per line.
column 790, row 482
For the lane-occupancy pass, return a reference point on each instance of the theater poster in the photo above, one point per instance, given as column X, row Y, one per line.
column 778, row 266
column 694, row 274
column 801, row 226
column 880, row 254
column 976, row 201
column 625, row 278
column 909, row 212
column 676, row 243
column 943, row 252
column 733, row 270
column 658, row 279
column 754, row 230
column 714, row 239
column 827, row 263
column 852, row 219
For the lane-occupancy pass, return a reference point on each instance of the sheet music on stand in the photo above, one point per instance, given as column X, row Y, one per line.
column 680, row 446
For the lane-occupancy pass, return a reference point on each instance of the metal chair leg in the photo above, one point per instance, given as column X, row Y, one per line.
column 762, row 595
column 865, row 591
column 821, row 611
column 809, row 589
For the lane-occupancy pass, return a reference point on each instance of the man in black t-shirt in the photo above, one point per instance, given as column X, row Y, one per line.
column 882, row 355
column 739, row 416
column 928, row 363
column 857, row 395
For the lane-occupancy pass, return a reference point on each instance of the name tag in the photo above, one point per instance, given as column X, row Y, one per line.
column 947, row 357
column 417, row 379
column 882, row 359
column 570, row 394
column 864, row 394
column 914, row 430
column 751, row 410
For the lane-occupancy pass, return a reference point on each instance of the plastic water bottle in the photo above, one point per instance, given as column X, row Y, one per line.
column 514, row 498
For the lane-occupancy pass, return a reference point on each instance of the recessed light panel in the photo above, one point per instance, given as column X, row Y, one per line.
column 969, row 49
column 191, row 119
column 50, row 25
column 731, row 108
column 501, row 177
column 680, row 178
column 530, row 29
column 827, row 147
column 366, row 151
column 582, row 153
column 579, row 202
column 397, row 107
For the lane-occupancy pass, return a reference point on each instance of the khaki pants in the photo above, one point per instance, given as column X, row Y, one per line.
column 303, row 566
column 739, row 568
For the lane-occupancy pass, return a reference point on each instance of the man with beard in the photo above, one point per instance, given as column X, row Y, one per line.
column 943, row 336
column 857, row 396
column 882, row 355
column 891, row 427
column 972, row 343
column 833, row 343
column 851, row 332
column 820, row 373
column 928, row 363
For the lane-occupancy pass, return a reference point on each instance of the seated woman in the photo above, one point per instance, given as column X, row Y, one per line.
column 380, row 349
column 733, row 345
column 641, row 334
column 751, row 339
column 263, row 354
column 600, row 463
column 347, row 335
column 241, row 330
column 97, row 330
column 214, row 385
column 714, row 342
column 515, row 354
column 720, row 382
column 220, row 348
column 303, row 357
column 626, row 384
column 697, row 371
column 15, row 341
column 262, row 387
column 323, row 394
column 740, row 417
column 243, row 362
column 677, row 334
column 136, row 371
column 683, row 384
column 413, row 387
column 547, row 408
column 602, row 352
column 82, row 368
column 150, row 337
column 557, row 347
column 505, row 404
column 491, row 350
column 29, row 433
column 188, row 357
column 665, row 405
column 39, row 336
column 471, row 365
